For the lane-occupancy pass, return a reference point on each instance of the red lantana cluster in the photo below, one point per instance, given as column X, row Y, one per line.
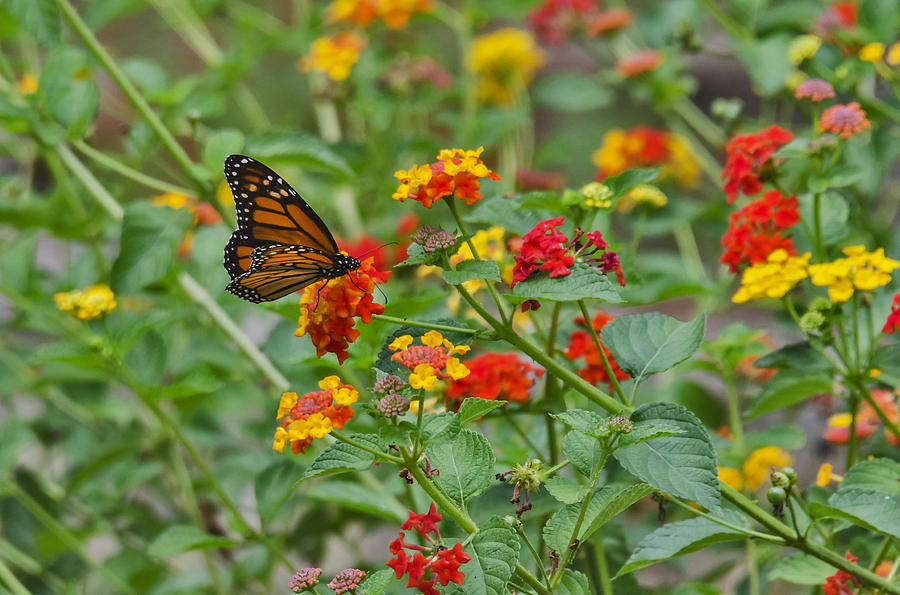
column 553, row 21
column 581, row 346
column 749, row 157
column 758, row 229
column 455, row 173
column 442, row 564
column 328, row 309
column 547, row 249
column 836, row 584
column 495, row 376
column 893, row 320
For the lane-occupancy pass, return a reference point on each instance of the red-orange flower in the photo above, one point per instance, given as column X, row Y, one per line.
column 455, row 173
column 495, row 376
column 749, row 157
column 328, row 309
column 554, row 20
column 314, row 414
column 845, row 120
column 643, row 146
column 581, row 346
column 836, row 583
column 639, row 63
column 758, row 229
column 814, row 90
column 608, row 21
column 893, row 320
column 867, row 419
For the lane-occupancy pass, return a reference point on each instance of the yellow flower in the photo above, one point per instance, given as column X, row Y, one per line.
column 454, row 349
column 773, row 278
column 432, row 339
column 505, row 62
column 335, row 56
column 287, row 402
column 731, row 477
column 597, row 195
column 839, row 420
column 871, row 52
column 803, row 48
column 682, row 164
column 28, row 84
column 893, row 54
column 429, row 406
column 318, row 425
column 456, row 369
column 224, row 195
column 281, row 436
column 642, row 194
column 173, row 200
column 875, row 373
column 826, row 475
column 329, row 382
column 346, row 395
column 400, row 343
column 759, row 465
column 795, row 79
column 860, row 270
column 87, row 304
column 422, row 376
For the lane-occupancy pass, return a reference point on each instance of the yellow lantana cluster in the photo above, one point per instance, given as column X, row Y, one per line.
column 802, row 48
column 335, row 56
column 433, row 359
column 642, row 194
column 860, row 270
column 505, row 62
column 394, row 13
column 87, row 304
column 773, row 278
column 756, row 468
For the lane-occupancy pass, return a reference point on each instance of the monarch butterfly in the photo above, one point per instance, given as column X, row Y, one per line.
column 280, row 244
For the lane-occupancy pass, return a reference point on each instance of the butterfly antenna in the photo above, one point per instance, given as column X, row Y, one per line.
column 364, row 291
column 367, row 252
column 382, row 294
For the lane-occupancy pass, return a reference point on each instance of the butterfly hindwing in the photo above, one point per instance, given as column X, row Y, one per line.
column 278, row 270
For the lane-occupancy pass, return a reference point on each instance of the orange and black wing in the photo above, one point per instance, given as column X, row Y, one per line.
column 269, row 212
column 278, row 270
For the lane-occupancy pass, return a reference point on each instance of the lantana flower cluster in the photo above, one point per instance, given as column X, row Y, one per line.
column 836, row 584
column 328, row 309
column 440, row 563
column 758, row 229
column 314, row 414
column 430, row 360
column 495, row 376
column 749, row 157
column 755, row 470
column 867, row 419
column 859, row 271
column 87, row 304
column 334, row 55
column 456, row 172
column 773, row 278
column 546, row 248
column 553, row 21
column 393, row 13
column 505, row 62
column 582, row 346
column 643, row 146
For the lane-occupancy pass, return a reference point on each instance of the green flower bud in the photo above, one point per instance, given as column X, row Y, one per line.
column 791, row 474
column 820, row 304
column 780, row 480
column 776, row 496
column 812, row 321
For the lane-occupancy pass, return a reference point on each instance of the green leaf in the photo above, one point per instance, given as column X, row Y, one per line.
column 38, row 18
column 648, row 430
column 839, row 177
column 796, row 356
column 566, row 490
column 440, row 427
column 834, row 212
column 299, row 148
column 581, row 420
column 869, row 496
column 494, row 552
column 186, row 538
column 353, row 496
column 683, row 465
column 766, row 61
column 785, row 389
column 887, row 359
column 147, row 358
column 678, row 539
column 495, row 210
column 572, row 92
column 220, row 145
column 630, row 178
column 573, row 583
column 801, row 569
column 469, row 270
column 376, row 583
column 644, row 344
column 874, row 474
column 416, row 254
column 584, row 451
column 466, row 465
column 584, row 282
column 67, row 91
column 272, row 487
column 473, row 408
column 341, row 457
column 150, row 238
column 786, row 436
column 605, row 504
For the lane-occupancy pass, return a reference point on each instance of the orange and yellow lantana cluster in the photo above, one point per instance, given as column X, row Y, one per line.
column 335, row 55
column 505, row 62
column 455, row 173
column 429, row 361
column 314, row 414
column 642, row 146
column 394, row 13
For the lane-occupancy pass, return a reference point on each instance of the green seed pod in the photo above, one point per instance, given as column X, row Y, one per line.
column 776, row 496
column 791, row 474
column 780, row 480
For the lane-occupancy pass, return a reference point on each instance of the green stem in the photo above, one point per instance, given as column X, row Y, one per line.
column 690, row 253
column 441, row 500
column 132, row 174
column 550, row 384
column 606, row 365
column 12, row 583
column 752, row 568
column 734, row 28
column 202, row 298
column 422, row 324
column 451, row 202
column 63, row 535
column 534, row 554
column 851, row 440
column 724, row 523
column 96, row 189
column 603, row 568
column 378, row 454
column 734, row 412
column 817, row 226
column 420, row 415
column 699, row 121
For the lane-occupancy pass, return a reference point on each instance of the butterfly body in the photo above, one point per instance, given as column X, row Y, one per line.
column 280, row 245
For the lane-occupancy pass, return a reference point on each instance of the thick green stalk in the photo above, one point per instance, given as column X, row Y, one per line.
column 606, row 365
column 104, row 198
column 132, row 174
column 534, row 554
column 12, row 583
column 378, row 454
